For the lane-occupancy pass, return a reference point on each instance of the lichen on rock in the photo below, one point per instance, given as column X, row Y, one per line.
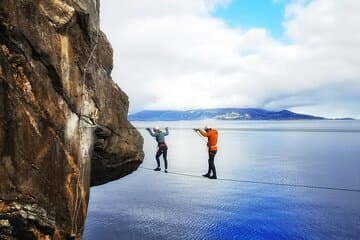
column 63, row 121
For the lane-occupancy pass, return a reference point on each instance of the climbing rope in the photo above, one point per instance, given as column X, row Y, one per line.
column 90, row 123
column 264, row 182
column 250, row 129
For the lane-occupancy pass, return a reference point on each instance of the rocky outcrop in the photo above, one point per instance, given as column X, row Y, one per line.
column 63, row 121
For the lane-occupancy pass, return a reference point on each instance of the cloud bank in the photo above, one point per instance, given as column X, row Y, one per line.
column 174, row 54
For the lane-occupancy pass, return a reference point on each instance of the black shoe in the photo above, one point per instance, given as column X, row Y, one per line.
column 206, row 175
column 213, row 177
column 157, row 169
column 166, row 171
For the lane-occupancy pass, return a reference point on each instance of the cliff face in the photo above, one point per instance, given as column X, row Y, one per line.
column 63, row 121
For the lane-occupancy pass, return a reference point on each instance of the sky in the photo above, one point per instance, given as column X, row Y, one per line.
column 300, row 55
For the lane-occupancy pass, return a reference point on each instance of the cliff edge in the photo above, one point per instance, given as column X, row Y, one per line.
column 63, row 121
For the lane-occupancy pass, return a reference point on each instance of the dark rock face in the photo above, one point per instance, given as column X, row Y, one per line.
column 63, row 121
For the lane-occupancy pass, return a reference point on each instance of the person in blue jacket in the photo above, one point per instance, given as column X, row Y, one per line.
column 162, row 147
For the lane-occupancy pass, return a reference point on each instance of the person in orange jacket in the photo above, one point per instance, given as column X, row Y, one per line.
column 212, row 135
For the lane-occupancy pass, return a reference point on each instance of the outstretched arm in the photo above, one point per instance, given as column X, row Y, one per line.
column 205, row 134
column 166, row 131
column 151, row 133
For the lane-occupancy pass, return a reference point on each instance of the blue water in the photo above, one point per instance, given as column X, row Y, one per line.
column 156, row 205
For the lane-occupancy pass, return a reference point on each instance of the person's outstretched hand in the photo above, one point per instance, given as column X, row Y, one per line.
column 196, row 129
column 166, row 128
column 148, row 129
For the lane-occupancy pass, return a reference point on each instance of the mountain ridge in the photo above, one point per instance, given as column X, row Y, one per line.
column 220, row 114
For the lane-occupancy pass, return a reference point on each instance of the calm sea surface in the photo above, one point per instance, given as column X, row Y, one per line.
column 156, row 205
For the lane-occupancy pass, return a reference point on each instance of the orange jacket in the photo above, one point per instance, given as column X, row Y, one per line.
column 212, row 135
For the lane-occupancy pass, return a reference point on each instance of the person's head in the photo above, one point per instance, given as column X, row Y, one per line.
column 156, row 129
column 206, row 128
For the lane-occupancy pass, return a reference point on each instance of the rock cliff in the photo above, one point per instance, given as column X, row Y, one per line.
column 63, row 121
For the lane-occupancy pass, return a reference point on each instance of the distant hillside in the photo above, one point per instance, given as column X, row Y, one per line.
column 218, row 113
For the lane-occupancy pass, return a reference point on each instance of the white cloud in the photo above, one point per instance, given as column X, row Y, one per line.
column 175, row 54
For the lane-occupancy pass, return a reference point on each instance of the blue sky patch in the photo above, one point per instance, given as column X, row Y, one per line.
column 268, row 14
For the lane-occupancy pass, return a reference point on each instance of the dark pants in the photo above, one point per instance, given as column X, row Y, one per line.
column 162, row 150
column 211, row 163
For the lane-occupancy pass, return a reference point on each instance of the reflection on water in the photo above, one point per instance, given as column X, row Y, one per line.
column 155, row 205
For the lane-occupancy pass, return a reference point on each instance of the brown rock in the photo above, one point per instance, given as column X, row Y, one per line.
column 63, row 121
